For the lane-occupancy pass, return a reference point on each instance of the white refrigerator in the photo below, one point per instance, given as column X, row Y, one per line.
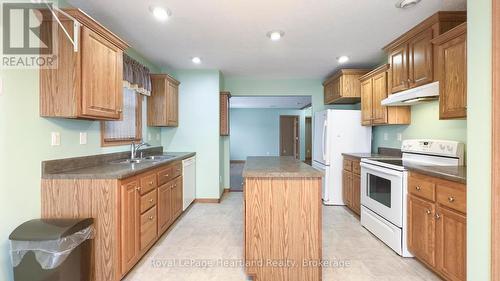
column 337, row 132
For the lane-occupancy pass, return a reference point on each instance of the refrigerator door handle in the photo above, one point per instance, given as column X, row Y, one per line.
column 323, row 144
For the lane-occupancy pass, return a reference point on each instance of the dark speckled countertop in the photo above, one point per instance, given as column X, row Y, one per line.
column 89, row 168
column 278, row 167
column 452, row 173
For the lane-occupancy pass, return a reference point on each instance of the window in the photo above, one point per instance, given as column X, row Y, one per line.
column 130, row 127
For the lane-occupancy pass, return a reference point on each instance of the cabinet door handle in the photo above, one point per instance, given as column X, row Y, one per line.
column 151, row 218
column 451, row 199
column 151, row 183
column 138, row 188
column 438, row 216
column 428, row 212
column 151, row 200
column 418, row 188
column 166, row 175
column 120, row 111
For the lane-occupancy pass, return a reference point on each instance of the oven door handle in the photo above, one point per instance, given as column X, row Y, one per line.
column 382, row 170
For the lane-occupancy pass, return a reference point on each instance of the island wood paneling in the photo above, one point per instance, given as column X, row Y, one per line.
column 283, row 222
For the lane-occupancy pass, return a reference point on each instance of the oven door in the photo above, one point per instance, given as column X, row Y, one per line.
column 382, row 192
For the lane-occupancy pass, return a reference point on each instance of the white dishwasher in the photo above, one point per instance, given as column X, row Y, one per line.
column 188, row 181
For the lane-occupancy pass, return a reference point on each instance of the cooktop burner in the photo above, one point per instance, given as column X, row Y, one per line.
column 396, row 162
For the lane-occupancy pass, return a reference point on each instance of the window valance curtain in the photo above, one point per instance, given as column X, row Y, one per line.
column 136, row 76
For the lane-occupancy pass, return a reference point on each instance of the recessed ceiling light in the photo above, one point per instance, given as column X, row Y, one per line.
column 403, row 4
column 343, row 59
column 275, row 35
column 160, row 13
column 196, row 60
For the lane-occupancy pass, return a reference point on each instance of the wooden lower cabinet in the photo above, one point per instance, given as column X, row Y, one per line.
column 437, row 229
column 130, row 214
column 351, row 184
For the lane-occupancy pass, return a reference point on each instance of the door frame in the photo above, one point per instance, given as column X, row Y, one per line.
column 495, row 164
column 305, row 134
column 297, row 132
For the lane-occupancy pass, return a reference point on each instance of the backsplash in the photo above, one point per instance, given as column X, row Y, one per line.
column 425, row 123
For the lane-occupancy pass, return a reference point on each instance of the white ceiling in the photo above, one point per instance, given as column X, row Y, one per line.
column 289, row 102
column 230, row 35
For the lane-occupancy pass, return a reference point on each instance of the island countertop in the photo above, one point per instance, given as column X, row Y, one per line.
column 281, row 167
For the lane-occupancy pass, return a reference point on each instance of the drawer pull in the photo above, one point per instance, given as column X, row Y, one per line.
column 151, row 200
column 138, row 188
column 418, row 188
column 438, row 216
column 451, row 199
column 428, row 212
column 151, row 183
column 150, row 218
column 166, row 175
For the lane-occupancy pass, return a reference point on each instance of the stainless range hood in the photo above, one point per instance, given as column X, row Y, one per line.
column 413, row 96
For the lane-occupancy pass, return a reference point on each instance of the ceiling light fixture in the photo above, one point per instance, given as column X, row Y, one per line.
column 275, row 35
column 196, row 60
column 160, row 13
column 404, row 4
column 343, row 59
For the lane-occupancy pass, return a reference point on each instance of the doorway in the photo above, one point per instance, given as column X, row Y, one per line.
column 308, row 140
column 289, row 136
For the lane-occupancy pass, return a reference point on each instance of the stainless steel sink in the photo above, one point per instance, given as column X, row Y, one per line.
column 127, row 161
column 159, row 157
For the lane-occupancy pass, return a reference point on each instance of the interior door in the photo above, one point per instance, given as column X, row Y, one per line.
column 289, row 136
column 308, row 138
column 102, row 74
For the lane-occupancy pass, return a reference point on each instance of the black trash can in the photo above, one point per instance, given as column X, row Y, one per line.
column 52, row 250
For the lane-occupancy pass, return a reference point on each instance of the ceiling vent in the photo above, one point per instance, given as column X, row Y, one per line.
column 405, row 4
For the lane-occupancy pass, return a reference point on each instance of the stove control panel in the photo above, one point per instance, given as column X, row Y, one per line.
column 434, row 147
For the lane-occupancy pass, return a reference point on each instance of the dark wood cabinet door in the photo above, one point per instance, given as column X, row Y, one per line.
column 173, row 105
column 366, row 102
column 420, row 59
column 130, row 216
column 102, row 77
column 451, row 246
column 164, row 207
column 347, row 188
column 398, row 72
column 421, row 229
column 452, row 61
column 177, row 197
column 379, row 93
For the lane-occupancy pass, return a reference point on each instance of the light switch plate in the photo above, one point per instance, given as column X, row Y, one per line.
column 55, row 139
column 83, row 138
column 386, row 136
column 157, row 136
column 400, row 137
column 149, row 136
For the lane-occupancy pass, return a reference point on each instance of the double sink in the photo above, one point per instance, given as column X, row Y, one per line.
column 147, row 159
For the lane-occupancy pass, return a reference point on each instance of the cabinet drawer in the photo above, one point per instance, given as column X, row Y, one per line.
column 148, row 228
column 421, row 187
column 347, row 165
column 165, row 175
column 356, row 168
column 176, row 169
column 452, row 197
column 148, row 183
column 148, row 201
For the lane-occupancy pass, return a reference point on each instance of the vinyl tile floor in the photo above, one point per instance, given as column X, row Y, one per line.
column 206, row 244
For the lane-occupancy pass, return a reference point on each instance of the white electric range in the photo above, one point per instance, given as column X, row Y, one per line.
column 384, row 187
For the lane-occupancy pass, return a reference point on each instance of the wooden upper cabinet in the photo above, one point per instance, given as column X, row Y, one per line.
column 224, row 113
column 398, row 72
column 412, row 57
column 163, row 104
column 421, row 229
column 451, row 49
column 374, row 89
column 343, row 87
column 86, row 84
column 420, row 62
column 366, row 102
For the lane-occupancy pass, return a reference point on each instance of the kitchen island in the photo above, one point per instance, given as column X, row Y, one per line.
column 283, row 229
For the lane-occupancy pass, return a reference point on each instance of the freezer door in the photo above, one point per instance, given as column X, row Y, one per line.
column 320, row 139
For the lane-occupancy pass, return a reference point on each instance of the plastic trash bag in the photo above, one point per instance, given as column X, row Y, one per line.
column 51, row 253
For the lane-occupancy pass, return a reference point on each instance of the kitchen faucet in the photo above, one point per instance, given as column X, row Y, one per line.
column 134, row 148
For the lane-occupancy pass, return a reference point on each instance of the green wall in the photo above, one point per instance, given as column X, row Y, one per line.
column 479, row 97
column 255, row 132
column 198, row 128
column 425, row 123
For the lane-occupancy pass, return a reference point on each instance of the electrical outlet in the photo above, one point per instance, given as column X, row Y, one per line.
column 55, row 139
column 386, row 136
column 157, row 136
column 400, row 137
column 149, row 136
column 83, row 138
